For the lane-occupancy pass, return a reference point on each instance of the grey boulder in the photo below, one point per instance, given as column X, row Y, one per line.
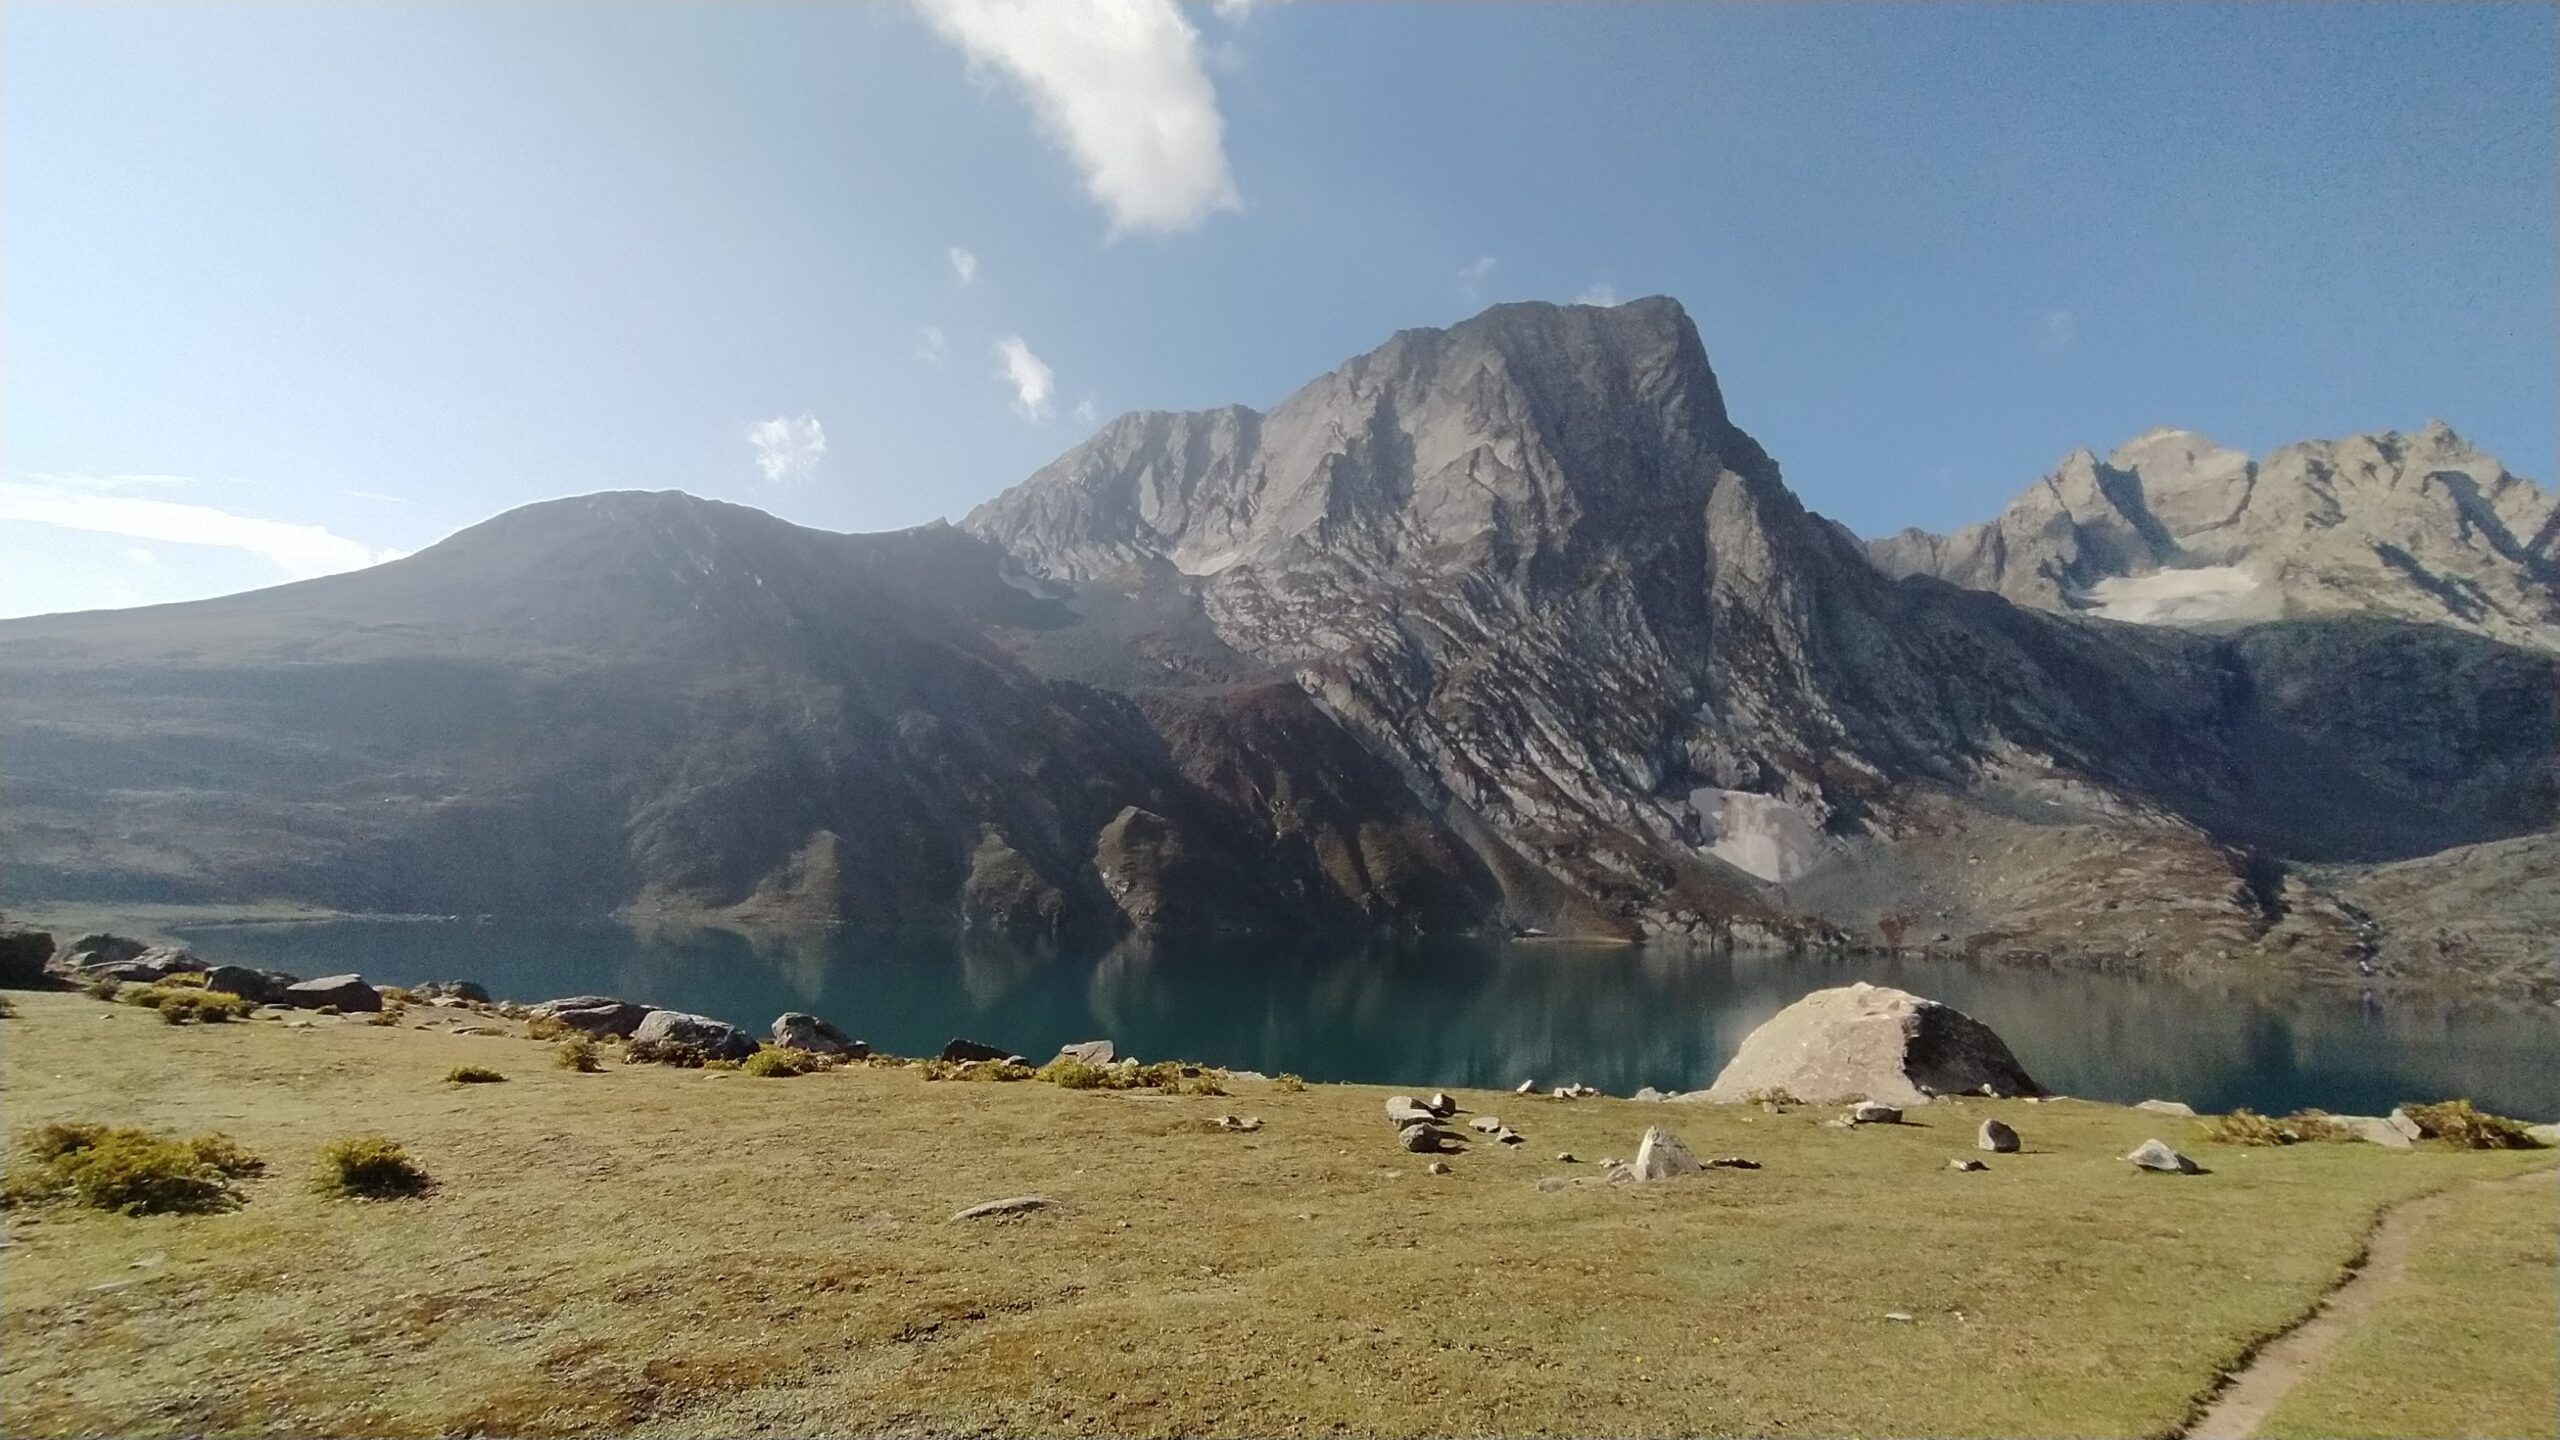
column 267, row 987
column 2166, row 1107
column 1489, row 1124
column 97, row 949
column 717, row 1039
column 595, row 1014
column 1870, row 1112
column 793, row 1030
column 1096, row 1053
column 1997, row 1138
column 151, row 966
column 974, row 1050
column 1966, row 1163
column 2156, row 1155
column 1420, row 1138
column 348, row 992
column 23, row 955
column 2375, row 1130
column 1662, row 1155
column 1405, row 1110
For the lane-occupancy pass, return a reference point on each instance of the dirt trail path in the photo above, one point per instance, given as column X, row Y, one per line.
column 2246, row 1396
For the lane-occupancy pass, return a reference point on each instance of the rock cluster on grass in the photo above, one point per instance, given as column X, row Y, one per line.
column 1886, row 1045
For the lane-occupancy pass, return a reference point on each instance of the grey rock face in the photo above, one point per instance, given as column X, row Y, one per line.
column 959, row 1050
column 1890, row 1046
column 1405, row 1110
column 717, row 1039
column 2156, row 1155
column 1997, row 1138
column 349, row 993
column 2375, row 1130
column 793, row 1030
column 2173, row 528
column 1420, row 1138
column 1089, row 1052
column 97, row 949
column 2166, row 1107
column 598, row 1015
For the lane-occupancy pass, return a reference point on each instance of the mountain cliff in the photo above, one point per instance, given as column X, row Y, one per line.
column 1506, row 624
column 2172, row 528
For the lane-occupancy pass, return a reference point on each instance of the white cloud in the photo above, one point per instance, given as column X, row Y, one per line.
column 1600, row 293
column 1033, row 382
column 788, row 447
column 1119, row 85
column 91, row 503
column 931, row 344
column 964, row 264
column 1472, row 275
column 1086, row 411
column 142, row 557
column 2056, row 329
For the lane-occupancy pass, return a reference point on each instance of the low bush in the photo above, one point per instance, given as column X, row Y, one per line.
column 1073, row 1074
column 2247, row 1127
column 184, row 980
column 1288, row 1084
column 369, row 1167
column 2460, row 1123
column 578, row 1053
column 777, row 1062
column 1770, row 1095
column 102, row 988
column 392, row 1013
column 1203, row 1085
column 679, row 1053
column 182, row 1005
column 543, row 1027
column 975, row 1070
column 473, row 1075
column 7, row 1010
column 396, row 994
column 129, row 1171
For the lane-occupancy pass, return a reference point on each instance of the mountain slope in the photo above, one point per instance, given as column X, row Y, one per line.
column 1503, row 624
column 2173, row 528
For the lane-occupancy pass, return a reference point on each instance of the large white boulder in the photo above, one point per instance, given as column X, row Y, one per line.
column 1872, row 1042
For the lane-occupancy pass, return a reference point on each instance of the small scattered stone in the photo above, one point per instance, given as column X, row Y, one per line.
column 2156, row 1155
column 1436, row 1167
column 1874, row 1112
column 1440, row 1104
column 1966, row 1163
column 1903, row 1316
column 1509, row 1136
column 1016, row 1205
column 1525, row 1087
column 1553, row 1183
column 1489, row 1124
column 1732, row 1162
column 2375, row 1130
column 1997, row 1138
column 1649, row 1093
column 2406, row 1124
column 2166, row 1107
column 1232, row 1122
column 1565, row 1157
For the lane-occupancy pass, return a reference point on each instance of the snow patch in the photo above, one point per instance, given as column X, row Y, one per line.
column 1759, row 835
column 2175, row 597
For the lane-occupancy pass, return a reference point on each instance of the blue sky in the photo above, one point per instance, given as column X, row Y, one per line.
column 289, row 288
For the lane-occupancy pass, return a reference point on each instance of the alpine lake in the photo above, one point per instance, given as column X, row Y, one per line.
column 1475, row 1013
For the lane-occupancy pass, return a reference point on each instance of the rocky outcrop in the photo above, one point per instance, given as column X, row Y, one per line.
column 97, row 949
column 266, row 987
column 1884, row 1045
column 2174, row 529
column 1661, row 1155
column 793, row 1030
column 151, row 966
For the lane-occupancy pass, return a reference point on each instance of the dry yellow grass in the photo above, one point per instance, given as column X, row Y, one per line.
column 700, row 1252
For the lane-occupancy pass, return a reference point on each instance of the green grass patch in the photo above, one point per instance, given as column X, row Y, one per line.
column 127, row 1171
column 187, row 1005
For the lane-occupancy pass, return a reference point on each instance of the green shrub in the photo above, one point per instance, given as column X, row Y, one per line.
column 544, row 1027
column 2463, row 1125
column 1770, row 1095
column 1204, row 1085
column 994, row 1070
column 128, row 1171
column 102, row 988
column 1288, row 1084
column 473, row 1075
column 2247, row 1127
column 1071, row 1074
column 578, row 1053
column 184, row 980
column 368, row 1167
column 390, row 1014
column 226, row 1155
column 395, row 994
column 681, row 1054
column 774, row 1061
column 182, row 1005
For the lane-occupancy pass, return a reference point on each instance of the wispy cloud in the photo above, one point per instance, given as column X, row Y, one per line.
column 964, row 264
column 1598, row 293
column 1473, row 274
column 788, row 447
column 931, row 344
column 2056, row 330
column 1034, row 383
column 99, row 505
column 1086, row 411
column 1120, row 86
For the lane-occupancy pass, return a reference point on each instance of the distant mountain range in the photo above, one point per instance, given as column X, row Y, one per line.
column 1503, row 625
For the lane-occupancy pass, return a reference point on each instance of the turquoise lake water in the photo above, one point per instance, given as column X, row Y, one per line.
column 1471, row 1013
